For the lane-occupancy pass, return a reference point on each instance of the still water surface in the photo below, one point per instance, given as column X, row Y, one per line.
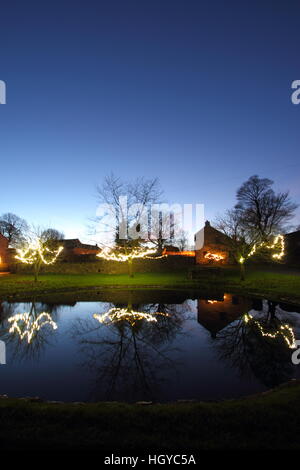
column 157, row 346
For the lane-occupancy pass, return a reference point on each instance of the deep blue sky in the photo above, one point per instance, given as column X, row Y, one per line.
column 195, row 92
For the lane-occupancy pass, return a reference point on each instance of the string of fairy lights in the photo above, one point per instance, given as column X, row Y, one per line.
column 110, row 254
column 115, row 315
column 279, row 239
column 213, row 256
column 35, row 251
column 25, row 326
column 285, row 331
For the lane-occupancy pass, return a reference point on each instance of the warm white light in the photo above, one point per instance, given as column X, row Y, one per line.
column 35, row 251
column 112, row 254
column 216, row 301
column 279, row 239
column 119, row 314
column 284, row 330
column 213, row 256
column 29, row 327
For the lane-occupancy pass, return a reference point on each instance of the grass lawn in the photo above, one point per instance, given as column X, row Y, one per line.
column 279, row 284
column 16, row 283
column 266, row 421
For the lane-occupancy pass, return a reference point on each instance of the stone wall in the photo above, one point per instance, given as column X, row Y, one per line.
column 169, row 264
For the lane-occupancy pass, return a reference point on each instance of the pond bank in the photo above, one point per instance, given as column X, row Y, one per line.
column 282, row 286
column 255, row 422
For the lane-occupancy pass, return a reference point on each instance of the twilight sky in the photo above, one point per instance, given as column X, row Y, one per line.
column 197, row 93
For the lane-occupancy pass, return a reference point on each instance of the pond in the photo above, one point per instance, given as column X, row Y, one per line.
column 157, row 346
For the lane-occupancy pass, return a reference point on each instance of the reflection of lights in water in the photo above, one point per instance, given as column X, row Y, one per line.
column 112, row 255
column 119, row 314
column 284, row 330
column 217, row 301
column 28, row 326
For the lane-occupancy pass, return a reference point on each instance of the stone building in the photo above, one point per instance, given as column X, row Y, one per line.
column 217, row 313
column 74, row 247
column 212, row 246
column 3, row 252
column 292, row 248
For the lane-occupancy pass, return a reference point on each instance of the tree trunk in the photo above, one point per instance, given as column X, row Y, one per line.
column 242, row 271
column 35, row 273
column 129, row 302
column 130, row 268
column 37, row 267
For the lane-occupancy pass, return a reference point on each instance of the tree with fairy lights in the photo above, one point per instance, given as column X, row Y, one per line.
column 128, row 252
column 125, row 206
column 253, row 226
column 39, row 249
column 244, row 244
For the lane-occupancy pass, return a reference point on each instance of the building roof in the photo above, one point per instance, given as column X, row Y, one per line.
column 211, row 235
column 3, row 237
column 217, row 313
column 76, row 243
column 295, row 234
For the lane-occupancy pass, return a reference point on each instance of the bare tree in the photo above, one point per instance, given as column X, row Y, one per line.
column 162, row 228
column 140, row 194
column 182, row 240
column 263, row 210
column 13, row 227
column 52, row 234
column 240, row 240
column 259, row 215
column 51, row 237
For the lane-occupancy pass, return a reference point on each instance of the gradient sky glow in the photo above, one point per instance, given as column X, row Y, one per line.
column 197, row 93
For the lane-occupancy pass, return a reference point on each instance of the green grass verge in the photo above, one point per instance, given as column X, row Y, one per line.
column 266, row 421
column 278, row 285
column 15, row 283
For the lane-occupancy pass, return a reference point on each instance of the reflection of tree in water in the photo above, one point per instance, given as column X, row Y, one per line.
column 6, row 310
column 130, row 353
column 27, row 332
column 260, row 345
